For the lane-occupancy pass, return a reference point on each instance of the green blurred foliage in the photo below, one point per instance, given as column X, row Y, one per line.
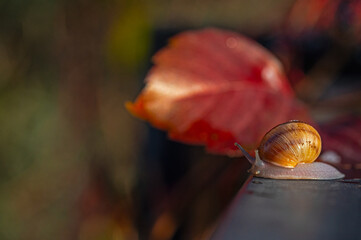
column 129, row 37
column 40, row 177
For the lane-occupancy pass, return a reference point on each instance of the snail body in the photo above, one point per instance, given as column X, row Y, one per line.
column 289, row 151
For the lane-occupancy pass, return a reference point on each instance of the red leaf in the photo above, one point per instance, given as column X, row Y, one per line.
column 215, row 87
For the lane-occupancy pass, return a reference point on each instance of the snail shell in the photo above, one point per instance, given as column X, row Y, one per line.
column 289, row 144
column 288, row 151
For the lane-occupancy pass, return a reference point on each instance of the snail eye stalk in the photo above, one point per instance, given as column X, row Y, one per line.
column 250, row 159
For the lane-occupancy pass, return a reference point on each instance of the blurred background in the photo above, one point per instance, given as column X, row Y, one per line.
column 74, row 164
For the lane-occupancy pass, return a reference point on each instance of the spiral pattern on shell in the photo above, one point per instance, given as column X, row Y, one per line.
column 290, row 143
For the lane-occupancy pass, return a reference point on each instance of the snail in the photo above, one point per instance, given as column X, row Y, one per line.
column 289, row 151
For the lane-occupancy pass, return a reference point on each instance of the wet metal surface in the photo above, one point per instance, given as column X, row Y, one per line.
column 294, row 209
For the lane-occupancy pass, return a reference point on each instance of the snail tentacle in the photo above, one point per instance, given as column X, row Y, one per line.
column 250, row 159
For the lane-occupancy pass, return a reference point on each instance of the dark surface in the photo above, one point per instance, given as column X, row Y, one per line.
column 294, row 209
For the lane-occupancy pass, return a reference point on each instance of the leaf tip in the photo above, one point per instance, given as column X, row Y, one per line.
column 134, row 108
